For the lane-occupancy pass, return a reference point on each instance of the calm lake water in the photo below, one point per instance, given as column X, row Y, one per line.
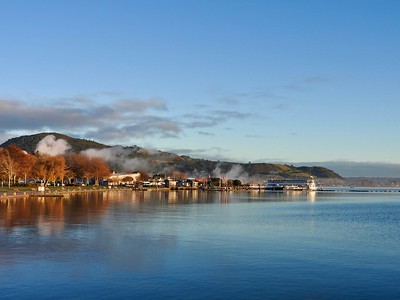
column 201, row 245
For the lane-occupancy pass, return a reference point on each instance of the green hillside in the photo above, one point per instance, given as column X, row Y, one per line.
column 157, row 162
column 29, row 142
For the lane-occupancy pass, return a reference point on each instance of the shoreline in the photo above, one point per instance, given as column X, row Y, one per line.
column 54, row 192
column 65, row 192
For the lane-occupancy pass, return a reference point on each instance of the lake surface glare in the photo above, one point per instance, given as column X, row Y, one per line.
column 201, row 245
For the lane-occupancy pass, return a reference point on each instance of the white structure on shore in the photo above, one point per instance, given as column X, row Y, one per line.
column 123, row 179
column 292, row 184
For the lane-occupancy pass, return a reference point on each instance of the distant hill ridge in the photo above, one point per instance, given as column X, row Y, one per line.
column 161, row 162
column 29, row 142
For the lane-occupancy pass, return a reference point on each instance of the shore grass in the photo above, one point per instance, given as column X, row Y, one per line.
column 22, row 189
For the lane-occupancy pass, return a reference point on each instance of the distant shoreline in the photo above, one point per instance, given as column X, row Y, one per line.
column 53, row 192
column 64, row 193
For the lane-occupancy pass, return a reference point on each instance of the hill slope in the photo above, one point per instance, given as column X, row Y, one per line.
column 29, row 142
column 135, row 158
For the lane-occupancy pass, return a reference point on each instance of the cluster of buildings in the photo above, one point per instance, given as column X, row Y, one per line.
column 134, row 180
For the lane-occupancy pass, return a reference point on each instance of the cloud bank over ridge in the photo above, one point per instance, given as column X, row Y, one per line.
column 118, row 120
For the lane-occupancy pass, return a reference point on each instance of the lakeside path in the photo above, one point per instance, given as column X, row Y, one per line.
column 6, row 193
column 25, row 192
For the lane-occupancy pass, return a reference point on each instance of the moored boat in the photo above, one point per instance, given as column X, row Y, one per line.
column 311, row 186
column 291, row 184
column 294, row 188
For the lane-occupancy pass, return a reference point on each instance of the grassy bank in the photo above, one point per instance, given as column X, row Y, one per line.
column 6, row 191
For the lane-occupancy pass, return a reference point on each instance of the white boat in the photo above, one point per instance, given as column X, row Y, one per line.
column 292, row 184
column 311, row 186
column 294, row 188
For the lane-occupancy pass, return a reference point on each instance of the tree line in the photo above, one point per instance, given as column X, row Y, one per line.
column 17, row 165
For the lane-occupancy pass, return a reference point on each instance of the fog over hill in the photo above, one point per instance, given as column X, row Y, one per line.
column 135, row 158
column 155, row 161
column 29, row 143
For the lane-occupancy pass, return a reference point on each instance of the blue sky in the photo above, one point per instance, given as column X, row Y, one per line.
column 260, row 81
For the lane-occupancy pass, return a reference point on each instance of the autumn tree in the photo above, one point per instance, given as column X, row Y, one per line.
column 8, row 167
column 143, row 176
column 77, row 164
column 49, row 168
column 23, row 160
column 15, row 163
column 83, row 166
column 98, row 169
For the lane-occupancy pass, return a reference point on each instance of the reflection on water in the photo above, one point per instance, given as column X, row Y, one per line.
column 194, row 244
column 50, row 213
column 312, row 196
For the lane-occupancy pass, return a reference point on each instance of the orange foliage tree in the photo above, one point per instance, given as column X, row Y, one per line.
column 49, row 168
column 77, row 165
column 23, row 160
column 8, row 167
column 98, row 169
column 85, row 167
column 15, row 163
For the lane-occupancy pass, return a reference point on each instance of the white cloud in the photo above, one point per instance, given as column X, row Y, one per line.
column 50, row 146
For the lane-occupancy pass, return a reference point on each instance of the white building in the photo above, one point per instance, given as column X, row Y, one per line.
column 123, row 179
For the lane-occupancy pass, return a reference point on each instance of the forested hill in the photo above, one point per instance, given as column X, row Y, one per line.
column 29, row 142
column 156, row 162
column 266, row 170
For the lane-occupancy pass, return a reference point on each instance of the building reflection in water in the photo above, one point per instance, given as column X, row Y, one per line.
column 50, row 214
column 129, row 229
column 148, row 198
column 311, row 196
